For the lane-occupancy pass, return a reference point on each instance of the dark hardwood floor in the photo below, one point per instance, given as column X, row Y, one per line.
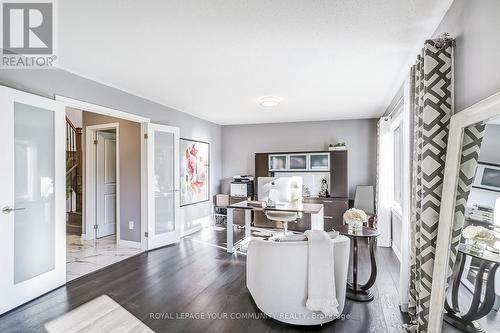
column 193, row 278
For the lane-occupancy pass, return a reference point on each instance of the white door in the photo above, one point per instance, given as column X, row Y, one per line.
column 32, row 197
column 106, row 184
column 163, row 185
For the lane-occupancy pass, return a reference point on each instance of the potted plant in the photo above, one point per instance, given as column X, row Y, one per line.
column 337, row 146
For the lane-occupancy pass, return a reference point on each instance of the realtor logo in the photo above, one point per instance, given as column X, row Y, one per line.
column 27, row 34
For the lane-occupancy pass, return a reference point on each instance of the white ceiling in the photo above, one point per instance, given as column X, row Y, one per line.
column 329, row 59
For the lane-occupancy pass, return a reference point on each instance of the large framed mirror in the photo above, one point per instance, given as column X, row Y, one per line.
column 465, row 290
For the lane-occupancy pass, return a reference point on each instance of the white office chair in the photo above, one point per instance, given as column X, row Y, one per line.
column 293, row 197
column 364, row 199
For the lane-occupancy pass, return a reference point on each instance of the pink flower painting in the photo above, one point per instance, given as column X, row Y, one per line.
column 194, row 171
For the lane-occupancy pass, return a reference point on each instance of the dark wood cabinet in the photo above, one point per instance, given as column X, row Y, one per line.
column 338, row 174
column 339, row 187
column 334, row 206
column 333, row 210
column 261, row 169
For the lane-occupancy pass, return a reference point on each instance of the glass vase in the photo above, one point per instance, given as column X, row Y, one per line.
column 476, row 246
column 355, row 227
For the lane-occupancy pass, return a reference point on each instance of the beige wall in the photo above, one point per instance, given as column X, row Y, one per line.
column 130, row 171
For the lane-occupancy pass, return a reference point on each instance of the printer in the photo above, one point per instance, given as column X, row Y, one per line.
column 242, row 186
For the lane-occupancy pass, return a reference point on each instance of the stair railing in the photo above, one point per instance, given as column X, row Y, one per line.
column 73, row 166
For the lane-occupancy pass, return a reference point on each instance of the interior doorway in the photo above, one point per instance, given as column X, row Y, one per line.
column 106, row 183
column 146, row 174
column 102, row 204
column 93, row 238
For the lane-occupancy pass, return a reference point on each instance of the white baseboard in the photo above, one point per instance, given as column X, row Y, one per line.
column 384, row 242
column 131, row 244
column 396, row 252
column 86, row 237
column 192, row 230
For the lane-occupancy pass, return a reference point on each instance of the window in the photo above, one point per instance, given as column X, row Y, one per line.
column 398, row 163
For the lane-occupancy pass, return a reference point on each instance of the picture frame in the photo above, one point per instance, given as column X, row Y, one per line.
column 194, row 173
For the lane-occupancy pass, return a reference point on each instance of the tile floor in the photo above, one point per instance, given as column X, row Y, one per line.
column 83, row 257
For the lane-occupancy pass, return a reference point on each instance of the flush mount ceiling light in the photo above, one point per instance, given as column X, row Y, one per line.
column 269, row 101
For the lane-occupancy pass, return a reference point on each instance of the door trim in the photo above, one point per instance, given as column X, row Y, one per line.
column 144, row 186
column 95, row 108
column 90, row 174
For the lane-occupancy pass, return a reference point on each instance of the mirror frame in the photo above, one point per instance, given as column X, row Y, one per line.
column 481, row 111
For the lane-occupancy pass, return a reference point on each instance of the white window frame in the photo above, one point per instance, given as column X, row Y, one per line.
column 397, row 124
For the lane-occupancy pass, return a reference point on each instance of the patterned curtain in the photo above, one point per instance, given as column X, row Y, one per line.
column 432, row 109
column 471, row 146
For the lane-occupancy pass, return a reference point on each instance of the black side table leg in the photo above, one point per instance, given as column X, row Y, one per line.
column 373, row 268
column 478, row 309
column 361, row 293
column 355, row 264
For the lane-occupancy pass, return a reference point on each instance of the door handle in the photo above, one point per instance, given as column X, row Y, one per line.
column 7, row 209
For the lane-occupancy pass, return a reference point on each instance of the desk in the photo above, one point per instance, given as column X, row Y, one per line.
column 316, row 211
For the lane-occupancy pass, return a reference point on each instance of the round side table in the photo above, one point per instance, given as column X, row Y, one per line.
column 355, row 291
column 478, row 308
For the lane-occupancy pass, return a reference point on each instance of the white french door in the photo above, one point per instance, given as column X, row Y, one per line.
column 32, row 197
column 162, row 185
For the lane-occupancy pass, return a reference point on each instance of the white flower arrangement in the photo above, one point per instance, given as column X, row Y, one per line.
column 478, row 233
column 355, row 216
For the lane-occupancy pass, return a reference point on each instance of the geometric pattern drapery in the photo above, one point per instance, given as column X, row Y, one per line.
column 432, row 108
column 471, row 146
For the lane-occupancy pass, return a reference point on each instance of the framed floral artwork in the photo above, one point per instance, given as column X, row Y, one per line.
column 195, row 171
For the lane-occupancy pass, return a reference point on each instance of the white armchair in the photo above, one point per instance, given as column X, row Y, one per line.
column 279, row 287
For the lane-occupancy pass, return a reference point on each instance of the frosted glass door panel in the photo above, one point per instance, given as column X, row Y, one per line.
column 297, row 162
column 34, row 173
column 164, row 182
column 32, row 196
column 162, row 201
column 277, row 162
column 319, row 161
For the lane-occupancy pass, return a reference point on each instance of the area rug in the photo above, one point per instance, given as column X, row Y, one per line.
column 101, row 314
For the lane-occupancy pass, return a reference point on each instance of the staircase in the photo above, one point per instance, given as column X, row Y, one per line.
column 73, row 179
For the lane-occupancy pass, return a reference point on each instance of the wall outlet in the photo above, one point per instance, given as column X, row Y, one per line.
column 131, row 225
